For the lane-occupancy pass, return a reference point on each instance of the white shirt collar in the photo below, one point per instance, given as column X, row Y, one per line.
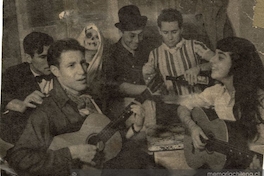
column 231, row 96
column 34, row 73
column 174, row 49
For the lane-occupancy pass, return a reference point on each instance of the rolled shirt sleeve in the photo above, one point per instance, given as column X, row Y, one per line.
column 216, row 97
column 204, row 99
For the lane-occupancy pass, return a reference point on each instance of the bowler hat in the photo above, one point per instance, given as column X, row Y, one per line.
column 130, row 19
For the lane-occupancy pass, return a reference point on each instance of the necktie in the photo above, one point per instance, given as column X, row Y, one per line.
column 41, row 77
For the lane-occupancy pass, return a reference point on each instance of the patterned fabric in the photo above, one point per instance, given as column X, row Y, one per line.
column 46, row 86
column 95, row 65
column 84, row 102
column 174, row 62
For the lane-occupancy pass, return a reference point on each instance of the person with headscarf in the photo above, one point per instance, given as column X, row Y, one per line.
column 93, row 41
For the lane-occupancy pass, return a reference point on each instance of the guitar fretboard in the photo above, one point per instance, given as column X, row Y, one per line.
column 216, row 145
column 111, row 128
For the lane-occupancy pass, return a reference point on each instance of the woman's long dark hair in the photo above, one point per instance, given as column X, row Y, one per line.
column 248, row 77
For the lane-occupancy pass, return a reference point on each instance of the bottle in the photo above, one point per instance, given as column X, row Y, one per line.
column 200, row 79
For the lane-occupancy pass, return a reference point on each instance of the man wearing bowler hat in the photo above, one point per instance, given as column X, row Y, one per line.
column 124, row 67
column 123, row 71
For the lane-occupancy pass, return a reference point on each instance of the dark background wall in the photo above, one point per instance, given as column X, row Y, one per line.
column 21, row 17
column 10, row 44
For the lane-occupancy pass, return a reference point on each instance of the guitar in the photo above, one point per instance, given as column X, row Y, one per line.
column 217, row 147
column 99, row 130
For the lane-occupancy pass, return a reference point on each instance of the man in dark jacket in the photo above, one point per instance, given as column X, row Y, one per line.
column 64, row 111
column 25, row 85
column 123, row 69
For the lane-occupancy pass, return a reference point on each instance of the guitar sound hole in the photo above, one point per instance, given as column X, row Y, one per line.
column 100, row 155
column 209, row 148
column 94, row 140
column 210, row 136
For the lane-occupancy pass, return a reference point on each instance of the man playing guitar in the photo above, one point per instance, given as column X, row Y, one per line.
column 64, row 111
column 238, row 100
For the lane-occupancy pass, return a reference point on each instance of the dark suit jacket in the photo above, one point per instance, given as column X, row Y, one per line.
column 17, row 83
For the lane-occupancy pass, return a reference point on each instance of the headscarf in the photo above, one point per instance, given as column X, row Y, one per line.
column 95, row 65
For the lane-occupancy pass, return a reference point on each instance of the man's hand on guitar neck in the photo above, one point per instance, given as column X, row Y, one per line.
column 84, row 152
column 139, row 116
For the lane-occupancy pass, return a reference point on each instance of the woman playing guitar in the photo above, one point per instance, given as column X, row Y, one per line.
column 238, row 99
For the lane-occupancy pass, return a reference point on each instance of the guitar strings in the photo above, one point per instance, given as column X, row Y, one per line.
column 233, row 148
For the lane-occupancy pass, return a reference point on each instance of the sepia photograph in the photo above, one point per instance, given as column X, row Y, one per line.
column 132, row 88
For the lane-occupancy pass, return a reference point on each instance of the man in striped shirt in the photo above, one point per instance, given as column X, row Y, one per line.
column 176, row 56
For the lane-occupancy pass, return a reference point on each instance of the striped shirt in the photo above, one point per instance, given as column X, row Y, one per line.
column 174, row 62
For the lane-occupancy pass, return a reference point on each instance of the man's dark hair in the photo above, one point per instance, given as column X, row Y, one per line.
column 170, row 15
column 35, row 41
column 60, row 46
